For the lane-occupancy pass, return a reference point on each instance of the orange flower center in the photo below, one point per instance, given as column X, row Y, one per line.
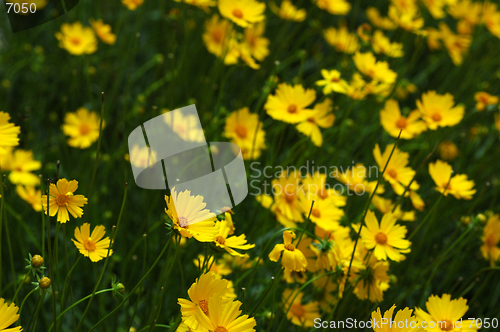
column 490, row 241
column 75, row 41
column 323, row 193
column 401, row 123
column 292, row 109
column 183, row 222
column 241, row 131
column 289, row 247
column 237, row 13
column 204, row 306
column 62, row 200
column 446, row 325
column 311, row 120
column 436, row 117
column 335, row 79
column 221, row 329
column 84, row 129
column 220, row 240
column 297, row 309
column 392, row 173
column 290, row 197
column 381, row 238
column 217, row 36
column 89, row 244
column 316, row 213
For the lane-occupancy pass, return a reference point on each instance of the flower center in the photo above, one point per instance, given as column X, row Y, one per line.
column 75, row 41
column 204, row 306
column 401, row 123
column 323, row 193
column 220, row 329
column 241, row 131
column 311, row 120
column 183, row 222
column 217, row 36
column 316, row 213
column 436, row 117
column 292, row 109
column 335, row 79
column 62, row 199
column 490, row 241
column 220, row 240
column 89, row 244
column 84, row 129
column 392, row 173
column 290, row 197
column 297, row 309
column 238, row 13
column 446, row 325
column 289, row 247
column 381, row 238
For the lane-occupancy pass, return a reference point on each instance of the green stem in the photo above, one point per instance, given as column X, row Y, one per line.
column 24, row 300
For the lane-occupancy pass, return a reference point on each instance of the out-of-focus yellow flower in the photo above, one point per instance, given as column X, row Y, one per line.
column 448, row 150
column 287, row 196
column 216, row 36
column 376, row 70
column 199, row 3
column 142, row 157
column 438, row 111
column 242, row 12
column 8, row 316
column 387, row 206
column 316, row 188
column 324, row 214
column 355, row 178
column 468, row 13
column 332, row 82
column 229, row 243
column 321, row 117
column 257, row 44
column 8, row 133
column 342, row 40
column 357, row 88
column 21, row 163
column 335, row 7
column 491, row 18
column 289, row 104
column 77, row 39
column 433, row 38
column 300, row 314
column 402, row 322
column 405, row 6
column 288, row 11
column 497, row 121
column 436, row 7
column 458, row 185
column 132, row 4
column 363, row 32
column 245, row 130
column 491, row 239
column 382, row 44
column 373, row 281
column 63, row 200
column 456, row 44
column 293, row 259
column 409, row 20
column 216, row 266
column 404, row 88
column 83, row 128
column 31, row 195
column 484, row 99
column 377, row 20
column 103, row 31
column 92, row 245
column 393, row 122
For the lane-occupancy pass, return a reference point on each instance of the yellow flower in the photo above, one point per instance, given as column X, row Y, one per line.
column 332, row 82
column 435, row 7
column 484, row 99
column 222, row 240
column 409, row 20
column 31, row 195
column 190, row 217
column 292, row 277
column 316, row 188
column 216, row 36
column 220, row 268
column 92, row 245
column 448, row 150
column 199, row 3
column 293, row 259
column 8, row 133
column 242, row 12
column 491, row 239
column 62, row 200
column 256, row 43
column 77, row 39
column 321, row 117
column 142, row 157
column 132, row 4
column 402, row 322
column 372, row 280
column 404, row 88
column 244, row 129
column 341, row 39
column 300, row 314
column 83, row 128
column 444, row 314
column 458, row 186
column 382, row 44
column 289, row 103
column 207, row 288
column 354, row 178
column 491, row 18
column 386, row 206
column 387, row 239
column 288, row 11
column 456, row 44
column 224, row 317
column 376, row 70
column 21, row 163
column 103, row 31
column 324, row 213
column 286, row 195
column 392, row 121
column 335, row 7
column 8, row 316
column 438, row 111
column 377, row 20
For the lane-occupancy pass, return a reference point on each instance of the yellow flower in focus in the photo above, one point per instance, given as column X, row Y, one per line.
column 342, row 40
column 83, row 128
column 459, row 186
column 242, row 12
column 382, row 44
column 402, row 322
column 256, row 43
column 300, row 314
column 335, row 7
column 92, row 245
column 132, row 4
column 21, row 163
column 491, row 239
column 224, row 317
column 103, row 31
column 438, row 111
column 321, row 117
column 8, row 133
column 444, row 313
column 289, row 103
column 244, row 129
column 332, row 82
column 293, row 259
column 376, row 70
column 456, row 44
column 484, row 99
column 229, row 243
column 448, row 150
column 190, row 217
column 377, row 20
column 8, row 316
column 387, row 239
column 31, row 195
column 77, row 39
column 409, row 20
column 62, row 200
column 393, row 122
column 288, row 11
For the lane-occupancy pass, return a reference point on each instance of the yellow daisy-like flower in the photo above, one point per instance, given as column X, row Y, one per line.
column 216, row 36
column 289, row 104
column 342, row 40
column 316, row 188
column 224, row 317
column 286, row 195
column 459, row 186
column 242, row 12
column 382, row 44
column 8, row 316
column 199, row 3
column 438, row 111
column 324, row 213
column 21, row 163
column 222, row 240
column 491, row 239
column 103, row 31
column 132, row 4
column 8, row 133
column 190, row 217
column 392, row 121
column 245, row 130
column 335, row 7
column 288, row 11
column 377, row 20
column 387, row 239
column 407, row 19
column 376, row 70
column 484, row 99
column 293, row 259
column 77, row 39
column 256, row 43
column 62, row 200
column 332, row 82
column 354, row 177
column 448, row 150
column 31, row 195
column 374, row 279
column 300, row 314
column 456, row 44
column 404, row 321
column 93, row 246
column 83, row 128
column 444, row 314
column 321, row 117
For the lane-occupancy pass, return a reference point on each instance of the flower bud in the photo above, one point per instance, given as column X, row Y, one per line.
column 44, row 283
column 120, row 287
column 37, row 261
